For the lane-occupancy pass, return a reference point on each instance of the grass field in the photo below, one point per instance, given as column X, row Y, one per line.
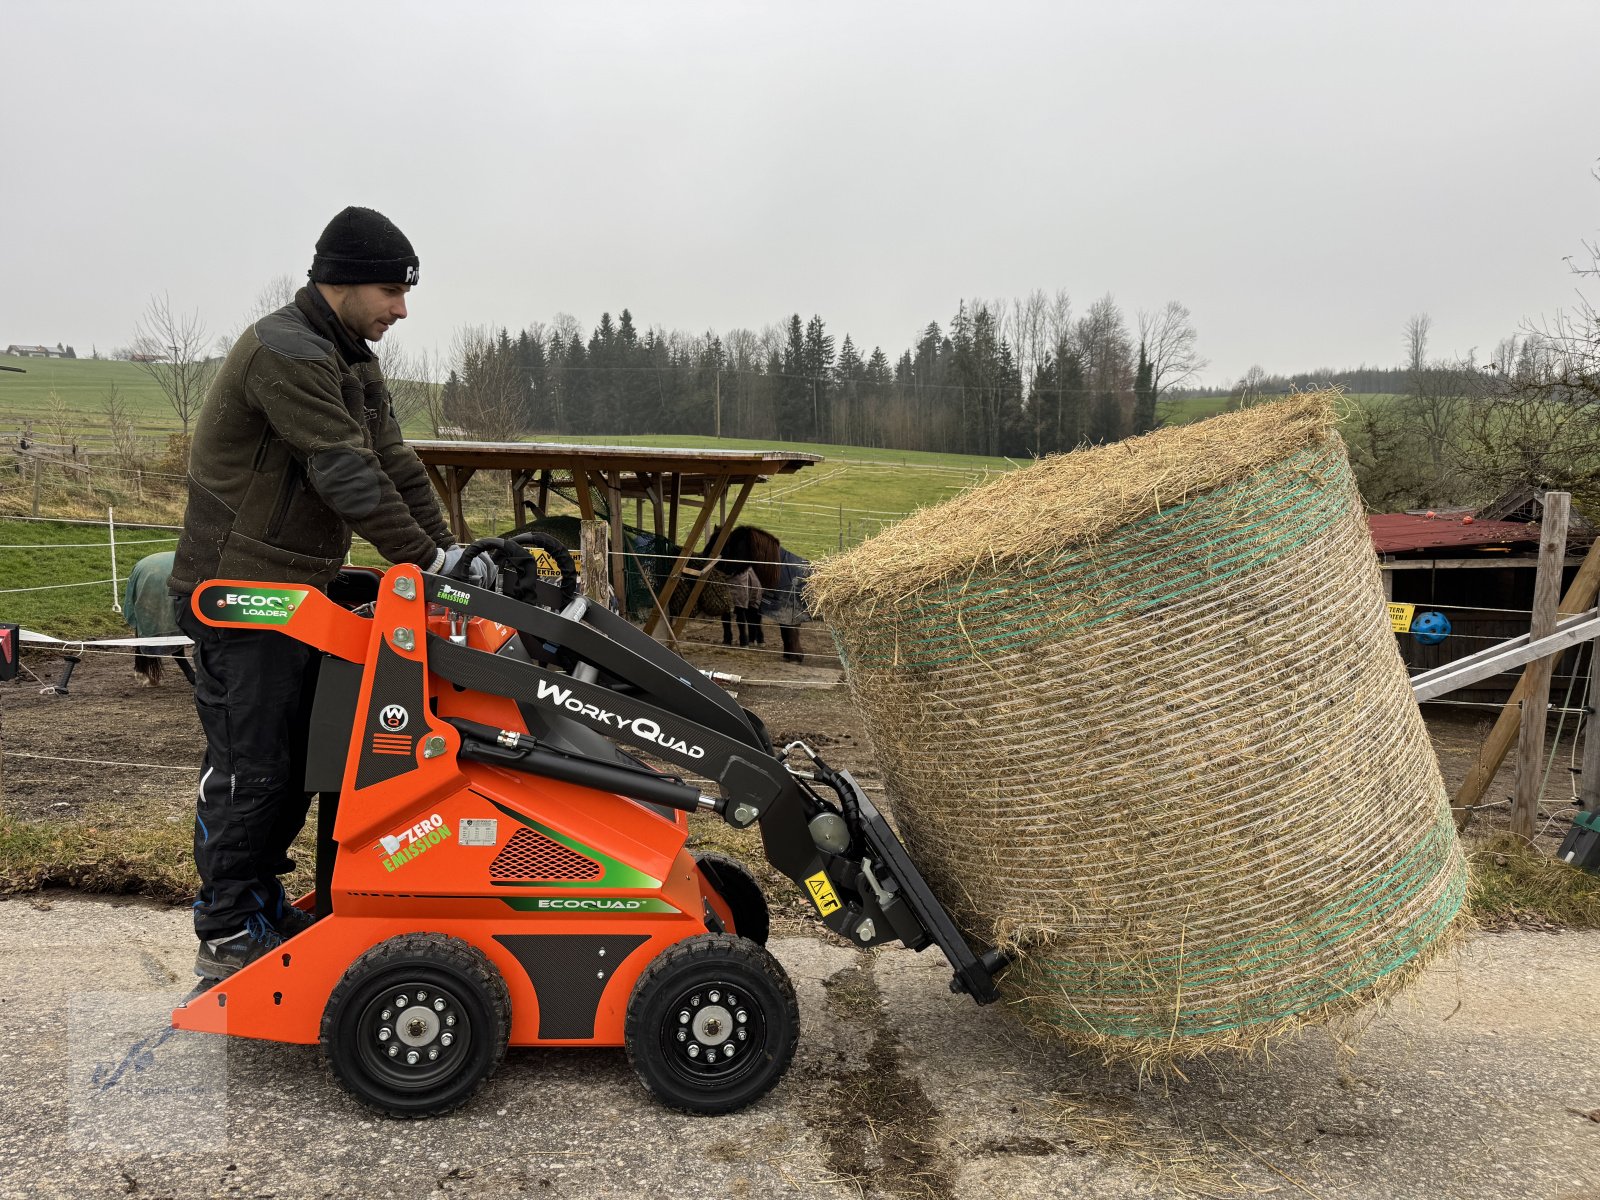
column 836, row 503
column 80, row 387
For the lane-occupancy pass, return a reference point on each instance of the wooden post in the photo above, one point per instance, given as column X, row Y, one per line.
column 719, row 487
column 1579, row 599
column 594, row 542
column 1589, row 778
column 619, row 571
column 713, row 552
column 38, row 466
column 1536, row 702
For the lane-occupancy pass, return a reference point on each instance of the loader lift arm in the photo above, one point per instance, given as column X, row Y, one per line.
column 582, row 664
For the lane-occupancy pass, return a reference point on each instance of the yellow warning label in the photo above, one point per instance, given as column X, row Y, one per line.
column 1400, row 616
column 822, row 892
column 544, row 563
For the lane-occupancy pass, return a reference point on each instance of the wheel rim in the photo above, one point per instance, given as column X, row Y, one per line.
column 414, row 1035
column 713, row 1033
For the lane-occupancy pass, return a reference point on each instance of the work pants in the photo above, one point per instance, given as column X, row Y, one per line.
column 253, row 690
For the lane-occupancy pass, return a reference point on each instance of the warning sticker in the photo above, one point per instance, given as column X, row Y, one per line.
column 821, row 892
column 479, row 831
column 1400, row 616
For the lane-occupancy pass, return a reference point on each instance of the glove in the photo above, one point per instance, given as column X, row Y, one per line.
column 480, row 571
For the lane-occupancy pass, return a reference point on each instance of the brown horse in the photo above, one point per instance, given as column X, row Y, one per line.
column 781, row 575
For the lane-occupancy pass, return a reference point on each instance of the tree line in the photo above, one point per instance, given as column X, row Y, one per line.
column 1016, row 378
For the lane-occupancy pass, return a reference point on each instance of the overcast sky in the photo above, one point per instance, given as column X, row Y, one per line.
column 1303, row 176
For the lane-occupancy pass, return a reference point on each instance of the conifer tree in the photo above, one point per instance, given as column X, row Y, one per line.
column 1144, row 396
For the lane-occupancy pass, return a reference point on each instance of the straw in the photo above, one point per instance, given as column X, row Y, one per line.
column 1142, row 720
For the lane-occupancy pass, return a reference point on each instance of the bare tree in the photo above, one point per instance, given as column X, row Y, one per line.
column 1539, row 422
column 171, row 348
column 1251, row 388
column 1432, row 409
column 1170, row 343
column 125, row 448
column 487, row 399
column 414, row 386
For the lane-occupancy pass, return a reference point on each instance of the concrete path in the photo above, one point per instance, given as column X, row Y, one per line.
column 1477, row 1084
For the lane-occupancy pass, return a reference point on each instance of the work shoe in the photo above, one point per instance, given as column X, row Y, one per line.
column 294, row 920
column 221, row 957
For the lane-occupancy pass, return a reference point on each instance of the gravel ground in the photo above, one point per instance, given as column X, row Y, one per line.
column 1478, row 1083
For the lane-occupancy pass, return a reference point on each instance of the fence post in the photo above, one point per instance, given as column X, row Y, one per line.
column 1589, row 775
column 1536, row 702
column 111, row 530
column 594, row 542
column 38, row 465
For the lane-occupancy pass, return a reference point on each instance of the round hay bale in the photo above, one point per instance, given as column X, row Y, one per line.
column 1142, row 719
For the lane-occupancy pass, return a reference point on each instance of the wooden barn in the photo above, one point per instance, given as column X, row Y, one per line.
column 1477, row 568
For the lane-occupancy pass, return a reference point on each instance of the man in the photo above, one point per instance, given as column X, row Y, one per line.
column 296, row 446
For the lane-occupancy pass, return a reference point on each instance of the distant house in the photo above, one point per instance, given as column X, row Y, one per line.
column 56, row 351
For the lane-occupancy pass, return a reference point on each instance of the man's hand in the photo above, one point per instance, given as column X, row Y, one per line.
column 480, row 570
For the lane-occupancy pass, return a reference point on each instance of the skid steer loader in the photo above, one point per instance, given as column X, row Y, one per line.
column 495, row 867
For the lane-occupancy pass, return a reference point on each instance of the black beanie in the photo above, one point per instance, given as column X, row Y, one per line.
column 361, row 245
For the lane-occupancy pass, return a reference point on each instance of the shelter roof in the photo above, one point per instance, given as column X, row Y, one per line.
column 501, row 456
column 1402, row 533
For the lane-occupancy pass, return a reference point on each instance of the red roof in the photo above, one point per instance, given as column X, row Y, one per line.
column 1398, row 533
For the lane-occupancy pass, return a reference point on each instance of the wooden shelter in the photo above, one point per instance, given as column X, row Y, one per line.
column 1479, row 569
column 666, row 479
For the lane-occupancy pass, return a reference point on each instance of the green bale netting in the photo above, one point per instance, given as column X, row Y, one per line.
column 1142, row 718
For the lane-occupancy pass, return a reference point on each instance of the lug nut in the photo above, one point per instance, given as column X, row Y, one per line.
column 438, row 1006
column 715, row 996
column 450, row 1018
column 433, row 1053
column 446, row 1038
column 385, row 1034
column 401, row 1001
column 412, row 1058
column 422, row 997
column 394, row 1049
column 694, row 1050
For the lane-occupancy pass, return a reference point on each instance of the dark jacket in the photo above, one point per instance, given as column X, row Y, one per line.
column 295, row 446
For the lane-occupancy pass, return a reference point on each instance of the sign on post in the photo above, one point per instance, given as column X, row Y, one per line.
column 1400, row 616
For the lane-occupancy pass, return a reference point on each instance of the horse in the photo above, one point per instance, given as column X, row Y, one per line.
column 782, row 575
column 147, row 608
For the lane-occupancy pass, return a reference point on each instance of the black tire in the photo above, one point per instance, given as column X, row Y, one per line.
column 717, row 992
column 740, row 892
column 459, row 1021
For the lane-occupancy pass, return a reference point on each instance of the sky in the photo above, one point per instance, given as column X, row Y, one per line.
column 1303, row 176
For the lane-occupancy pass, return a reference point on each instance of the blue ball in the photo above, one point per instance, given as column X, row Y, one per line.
column 1431, row 628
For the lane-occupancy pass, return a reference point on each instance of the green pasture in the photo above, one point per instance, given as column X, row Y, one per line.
column 814, row 512
column 79, row 387
column 46, row 555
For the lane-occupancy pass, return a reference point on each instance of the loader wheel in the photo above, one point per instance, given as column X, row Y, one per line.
column 417, row 1024
column 740, row 892
column 712, row 1024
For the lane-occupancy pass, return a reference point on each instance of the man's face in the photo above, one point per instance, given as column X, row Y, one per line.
column 368, row 309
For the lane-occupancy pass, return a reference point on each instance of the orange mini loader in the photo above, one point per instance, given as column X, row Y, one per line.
column 493, row 868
